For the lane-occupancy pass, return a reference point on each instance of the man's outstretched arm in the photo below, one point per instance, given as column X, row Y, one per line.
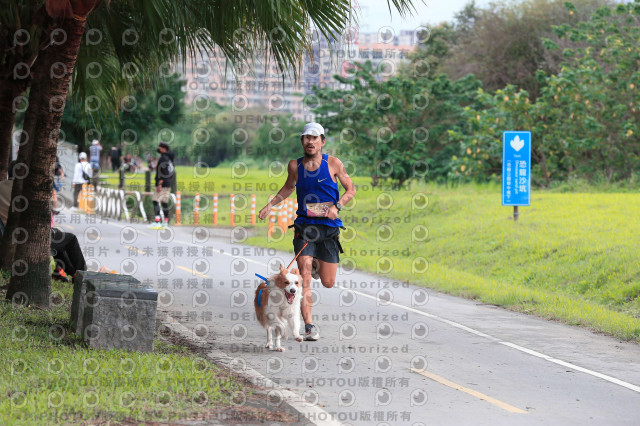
column 286, row 190
column 347, row 183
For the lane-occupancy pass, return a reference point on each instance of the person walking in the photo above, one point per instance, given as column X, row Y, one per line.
column 81, row 175
column 94, row 150
column 115, row 154
column 162, row 192
column 314, row 177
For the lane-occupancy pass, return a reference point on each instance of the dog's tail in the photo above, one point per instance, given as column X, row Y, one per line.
column 260, row 303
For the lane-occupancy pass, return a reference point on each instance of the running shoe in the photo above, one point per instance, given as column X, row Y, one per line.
column 311, row 332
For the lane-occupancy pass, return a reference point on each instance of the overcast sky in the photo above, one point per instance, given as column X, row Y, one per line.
column 375, row 14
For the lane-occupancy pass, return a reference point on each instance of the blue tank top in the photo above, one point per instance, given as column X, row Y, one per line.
column 316, row 192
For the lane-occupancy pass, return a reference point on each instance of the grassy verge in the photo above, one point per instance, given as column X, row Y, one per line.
column 50, row 377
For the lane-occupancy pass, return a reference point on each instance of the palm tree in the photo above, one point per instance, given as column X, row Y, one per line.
column 167, row 31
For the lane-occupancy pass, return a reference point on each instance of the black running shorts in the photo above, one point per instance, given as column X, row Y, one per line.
column 323, row 242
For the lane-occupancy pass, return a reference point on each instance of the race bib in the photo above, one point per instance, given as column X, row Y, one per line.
column 318, row 209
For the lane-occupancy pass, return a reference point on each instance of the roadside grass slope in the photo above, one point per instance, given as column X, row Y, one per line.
column 570, row 257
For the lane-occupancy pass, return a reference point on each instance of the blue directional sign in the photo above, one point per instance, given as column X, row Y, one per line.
column 516, row 168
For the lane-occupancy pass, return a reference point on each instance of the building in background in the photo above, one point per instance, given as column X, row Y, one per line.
column 264, row 86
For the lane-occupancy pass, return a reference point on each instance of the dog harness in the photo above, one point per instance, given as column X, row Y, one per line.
column 260, row 297
column 260, row 292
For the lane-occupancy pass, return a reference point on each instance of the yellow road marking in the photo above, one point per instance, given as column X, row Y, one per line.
column 135, row 249
column 472, row 392
column 192, row 272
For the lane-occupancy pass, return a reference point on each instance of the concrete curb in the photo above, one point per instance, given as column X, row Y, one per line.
column 239, row 368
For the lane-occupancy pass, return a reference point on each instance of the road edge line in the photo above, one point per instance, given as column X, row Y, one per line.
column 519, row 348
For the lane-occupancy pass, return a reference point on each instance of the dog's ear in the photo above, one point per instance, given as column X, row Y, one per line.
column 295, row 271
column 282, row 268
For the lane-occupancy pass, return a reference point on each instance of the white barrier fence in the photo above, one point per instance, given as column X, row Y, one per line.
column 116, row 203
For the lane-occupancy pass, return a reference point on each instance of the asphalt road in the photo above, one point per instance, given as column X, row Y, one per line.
column 390, row 352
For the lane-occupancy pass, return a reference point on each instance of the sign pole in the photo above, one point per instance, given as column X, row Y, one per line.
column 515, row 213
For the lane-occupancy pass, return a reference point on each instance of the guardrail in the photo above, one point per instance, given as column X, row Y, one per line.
column 112, row 203
column 116, row 203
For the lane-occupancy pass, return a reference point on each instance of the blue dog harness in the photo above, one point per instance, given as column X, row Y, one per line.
column 260, row 292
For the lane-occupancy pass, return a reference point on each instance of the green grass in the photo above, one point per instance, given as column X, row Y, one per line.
column 50, row 377
column 571, row 257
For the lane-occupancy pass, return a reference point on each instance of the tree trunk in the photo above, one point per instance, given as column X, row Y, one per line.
column 542, row 160
column 32, row 276
column 10, row 90
column 23, row 163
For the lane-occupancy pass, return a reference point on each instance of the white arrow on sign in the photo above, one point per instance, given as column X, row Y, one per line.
column 517, row 143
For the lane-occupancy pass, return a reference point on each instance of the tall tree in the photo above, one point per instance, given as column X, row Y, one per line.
column 51, row 77
column 397, row 129
column 585, row 121
column 139, row 115
column 501, row 44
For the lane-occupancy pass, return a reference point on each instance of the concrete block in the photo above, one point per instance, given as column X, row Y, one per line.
column 79, row 289
column 114, row 311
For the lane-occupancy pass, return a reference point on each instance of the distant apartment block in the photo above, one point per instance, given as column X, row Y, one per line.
column 262, row 85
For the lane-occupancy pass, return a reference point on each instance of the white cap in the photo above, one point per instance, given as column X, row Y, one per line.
column 95, row 142
column 313, row 129
column 82, row 156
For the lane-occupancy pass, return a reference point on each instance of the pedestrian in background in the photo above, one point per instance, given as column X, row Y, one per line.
column 164, row 179
column 94, row 151
column 152, row 163
column 115, row 155
column 81, row 175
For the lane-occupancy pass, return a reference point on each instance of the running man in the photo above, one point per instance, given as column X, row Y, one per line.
column 314, row 178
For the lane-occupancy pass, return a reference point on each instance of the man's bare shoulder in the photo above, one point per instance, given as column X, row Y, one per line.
column 334, row 161
column 293, row 165
column 335, row 164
